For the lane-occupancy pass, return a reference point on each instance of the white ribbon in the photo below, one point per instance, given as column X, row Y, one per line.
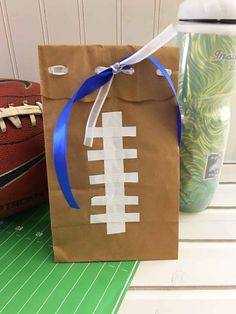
column 143, row 53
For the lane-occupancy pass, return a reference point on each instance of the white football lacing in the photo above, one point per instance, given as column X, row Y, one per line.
column 13, row 112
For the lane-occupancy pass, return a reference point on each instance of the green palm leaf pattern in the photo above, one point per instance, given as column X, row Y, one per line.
column 207, row 80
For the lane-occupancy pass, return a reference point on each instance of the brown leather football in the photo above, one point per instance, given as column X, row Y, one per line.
column 23, row 179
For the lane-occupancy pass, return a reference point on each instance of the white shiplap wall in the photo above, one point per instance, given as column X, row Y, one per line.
column 26, row 23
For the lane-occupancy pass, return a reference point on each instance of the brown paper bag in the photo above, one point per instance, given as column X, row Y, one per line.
column 144, row 182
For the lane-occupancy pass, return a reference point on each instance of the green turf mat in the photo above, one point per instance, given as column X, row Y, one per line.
column 31, row 282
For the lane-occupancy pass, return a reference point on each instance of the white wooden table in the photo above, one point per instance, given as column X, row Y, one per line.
column 203, row 279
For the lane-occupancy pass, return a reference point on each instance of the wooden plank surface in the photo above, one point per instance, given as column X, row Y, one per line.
column 203, row 279
column 228, row 173
column 180, row 302
column 231, row 146
column 219, row 222
column 199, row 264
column 211, row 224
column 225, row 196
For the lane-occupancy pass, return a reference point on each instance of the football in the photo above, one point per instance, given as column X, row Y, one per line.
column 23, row 179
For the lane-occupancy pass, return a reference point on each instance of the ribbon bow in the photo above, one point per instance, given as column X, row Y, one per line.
column 101, row 97
column 102, row 81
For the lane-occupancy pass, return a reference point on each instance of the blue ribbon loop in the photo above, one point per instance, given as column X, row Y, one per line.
column 60, row 132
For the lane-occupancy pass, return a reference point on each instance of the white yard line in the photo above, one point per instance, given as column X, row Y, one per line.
column 72, row 288
column 130, row 275
column 21, row 252
column 9, row 224
column 54, row 288
column 37, row 288
column 90, row 287
column 23, row 266
column 100, row 300
column 35, row 271
column 16, row 230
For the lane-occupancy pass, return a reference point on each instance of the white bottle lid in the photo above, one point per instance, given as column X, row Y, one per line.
column 207, row 16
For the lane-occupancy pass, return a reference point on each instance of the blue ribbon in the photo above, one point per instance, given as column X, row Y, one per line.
column 60, row 132
column 169, row 80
